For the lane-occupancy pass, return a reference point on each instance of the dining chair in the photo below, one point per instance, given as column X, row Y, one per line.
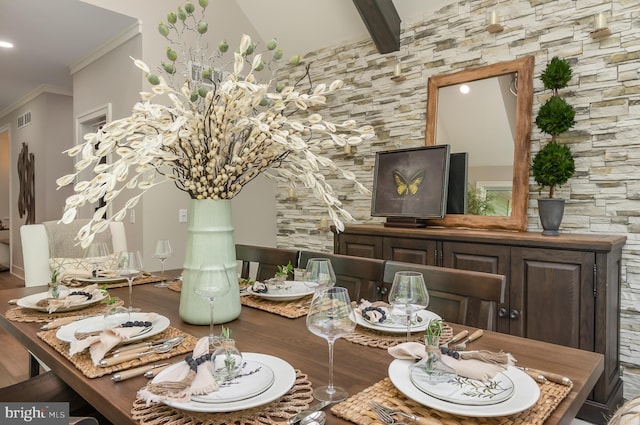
column 266, row 259
column 460, row 296
column 51, row 239
column 361, row 276
column 48, row 387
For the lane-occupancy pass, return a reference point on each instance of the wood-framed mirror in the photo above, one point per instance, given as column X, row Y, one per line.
column 498, row 129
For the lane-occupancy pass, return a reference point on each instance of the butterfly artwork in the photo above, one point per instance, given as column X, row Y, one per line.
column 406, row 186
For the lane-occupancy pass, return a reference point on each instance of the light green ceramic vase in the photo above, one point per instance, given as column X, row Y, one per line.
column 210, row 244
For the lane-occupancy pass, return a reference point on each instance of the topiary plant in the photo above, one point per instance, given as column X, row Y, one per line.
column 554, row 164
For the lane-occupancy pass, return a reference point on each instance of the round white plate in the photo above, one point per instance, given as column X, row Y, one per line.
column 31, row 301
column 254, row 379
column 100, row 279
column 526, row 393
column 463, row 390
column 285, row 377
column 97, row 323
column 424, row 315
column 291, row 290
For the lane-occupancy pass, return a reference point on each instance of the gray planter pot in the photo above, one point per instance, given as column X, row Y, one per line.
column 551, row 211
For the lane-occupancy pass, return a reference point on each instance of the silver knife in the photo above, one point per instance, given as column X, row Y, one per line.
column 129, row 347
column 313, row 408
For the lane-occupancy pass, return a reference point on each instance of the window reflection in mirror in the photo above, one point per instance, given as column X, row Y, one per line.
column 486, row 133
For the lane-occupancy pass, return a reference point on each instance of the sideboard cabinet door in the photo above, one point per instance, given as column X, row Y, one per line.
column 552, row 296
column 417, row 251
column 357, row 245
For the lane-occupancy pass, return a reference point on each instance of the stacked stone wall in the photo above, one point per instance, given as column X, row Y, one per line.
column 602, row 197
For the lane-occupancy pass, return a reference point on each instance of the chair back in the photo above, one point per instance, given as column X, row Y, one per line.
column 460, row 296
column 361, row 276
column 267, row 260
column 52, row 239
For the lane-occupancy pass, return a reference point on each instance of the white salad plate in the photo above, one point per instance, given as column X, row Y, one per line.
column 395, row 326
column 31, row 302
column 100, row 279
column 285, row 377
column 526, row 393
column 463, row 390
column 288, row 290
column 254, row 379
column 97, row 323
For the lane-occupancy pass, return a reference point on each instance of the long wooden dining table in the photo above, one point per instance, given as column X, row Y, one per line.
column 356, row 366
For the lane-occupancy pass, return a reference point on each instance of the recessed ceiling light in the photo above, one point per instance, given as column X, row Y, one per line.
column 6, row 44
column 464, row 89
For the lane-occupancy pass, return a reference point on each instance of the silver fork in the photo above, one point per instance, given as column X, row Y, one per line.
column 387, row 415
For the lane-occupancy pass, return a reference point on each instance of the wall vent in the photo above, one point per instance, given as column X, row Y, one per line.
column 24, row 120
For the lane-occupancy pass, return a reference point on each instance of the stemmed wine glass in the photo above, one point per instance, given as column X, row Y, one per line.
column 210, row 284
column 319, row 274
column 162, row 252
column 96, row 255
column 130, row 267
column 408, row 295
column 331, row 317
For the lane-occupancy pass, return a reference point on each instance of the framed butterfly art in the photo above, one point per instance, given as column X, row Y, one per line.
column 411, row 183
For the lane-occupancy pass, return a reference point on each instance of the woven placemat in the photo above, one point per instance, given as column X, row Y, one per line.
column 147, row 278
column 175, row 285
column 19, row 314
column 83, row 362
column 291, row 309
column 377, row 339
column 298, row 398
column 356, row 408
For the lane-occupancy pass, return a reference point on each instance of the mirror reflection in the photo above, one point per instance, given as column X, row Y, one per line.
column 484, row 114
column 486, row 135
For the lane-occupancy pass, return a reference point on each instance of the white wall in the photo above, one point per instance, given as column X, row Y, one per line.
column 47, row 136
column 4, row 175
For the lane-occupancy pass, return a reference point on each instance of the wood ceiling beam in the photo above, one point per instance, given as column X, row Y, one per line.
column 383, row 22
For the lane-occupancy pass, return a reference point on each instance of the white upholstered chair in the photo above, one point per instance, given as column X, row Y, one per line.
column 51, row 239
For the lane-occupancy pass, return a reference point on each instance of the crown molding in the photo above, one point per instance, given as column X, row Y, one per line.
column 116, row 41
column 41, row 89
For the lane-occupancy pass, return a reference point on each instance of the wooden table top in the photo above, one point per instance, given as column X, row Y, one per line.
column 356, row 366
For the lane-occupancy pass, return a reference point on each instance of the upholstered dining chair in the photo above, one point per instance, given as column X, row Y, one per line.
column 460, row 296
column 51, row 239
column 361, row 276
column 266, row 259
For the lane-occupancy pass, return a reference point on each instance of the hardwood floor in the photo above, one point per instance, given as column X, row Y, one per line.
column 14, row 363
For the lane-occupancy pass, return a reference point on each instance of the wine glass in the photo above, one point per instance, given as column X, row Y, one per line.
column 130, row 267
column 211, row 283
column 96, row 255
column 331, row 317
column 319, row 274
column 162, row 252
column 408, row 295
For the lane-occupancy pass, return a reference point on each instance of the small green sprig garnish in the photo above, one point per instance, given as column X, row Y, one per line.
column 226, row 333
column 108, row 299
column 434, row 328
column 284, row 270
column 54, row 276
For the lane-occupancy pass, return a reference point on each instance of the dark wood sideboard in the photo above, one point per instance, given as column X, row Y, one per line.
column 561, row 289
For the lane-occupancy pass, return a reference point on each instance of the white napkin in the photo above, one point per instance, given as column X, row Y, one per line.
column 182, row 382
column 54, row 304
column 69, row 274
column 99, row 345
column 481, row 365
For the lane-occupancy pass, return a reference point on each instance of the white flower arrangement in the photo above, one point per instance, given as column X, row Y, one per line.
column 211, row 139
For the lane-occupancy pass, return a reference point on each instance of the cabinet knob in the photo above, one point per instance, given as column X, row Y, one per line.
column 514, row 314
column 502, row 312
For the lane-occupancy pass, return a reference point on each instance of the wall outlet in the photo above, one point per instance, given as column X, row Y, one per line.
column 182, row 216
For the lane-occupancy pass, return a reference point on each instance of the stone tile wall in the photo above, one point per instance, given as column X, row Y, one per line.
column 603, row 196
